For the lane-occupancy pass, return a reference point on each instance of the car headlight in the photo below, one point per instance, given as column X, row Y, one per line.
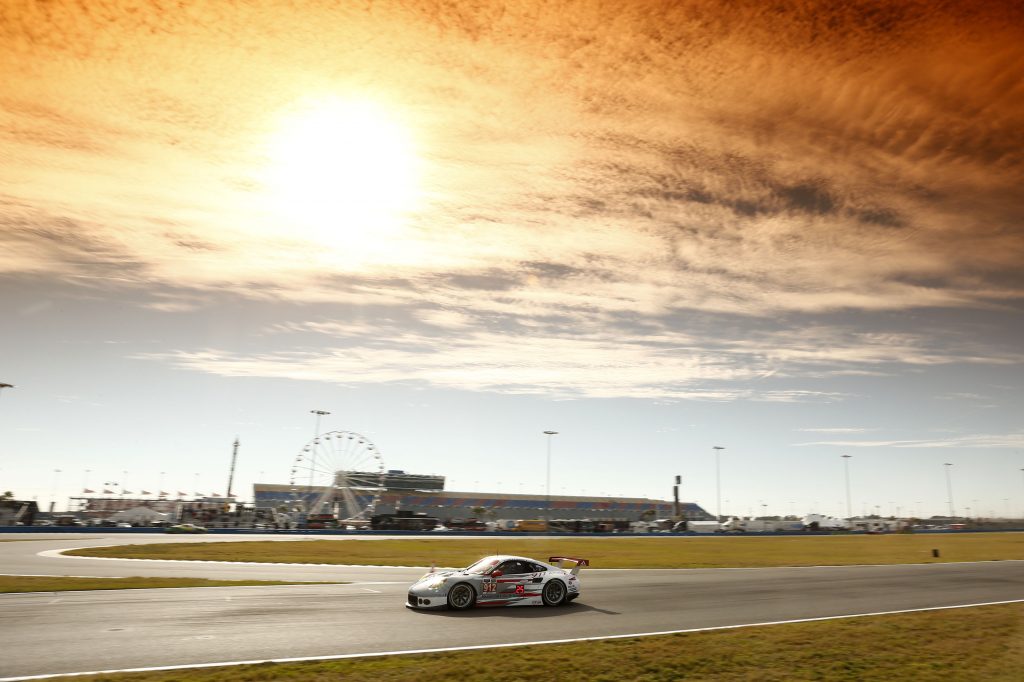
column 433, row 583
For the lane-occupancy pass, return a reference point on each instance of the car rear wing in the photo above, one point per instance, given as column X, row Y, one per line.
column 580, row 563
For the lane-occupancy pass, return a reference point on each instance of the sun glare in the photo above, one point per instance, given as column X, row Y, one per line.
column 342, row 172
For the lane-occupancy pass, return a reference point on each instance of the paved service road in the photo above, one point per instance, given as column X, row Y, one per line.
column 139, row 628
column 23, row 558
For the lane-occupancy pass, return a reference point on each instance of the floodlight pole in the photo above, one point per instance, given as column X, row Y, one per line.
column 547, row 493
column 234, row 458
column 718, row 482
column 949, row 490
column 53, row 490
column 316, row 435
column 318, row 413
column 846, row 466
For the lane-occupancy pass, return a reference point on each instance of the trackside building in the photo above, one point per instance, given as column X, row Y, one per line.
column 426, row 494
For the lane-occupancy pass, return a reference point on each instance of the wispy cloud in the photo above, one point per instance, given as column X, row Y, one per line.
column 558, row 366
column 456, row 350
column 998, row 441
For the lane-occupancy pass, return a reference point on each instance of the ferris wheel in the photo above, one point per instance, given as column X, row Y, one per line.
column 340, row 473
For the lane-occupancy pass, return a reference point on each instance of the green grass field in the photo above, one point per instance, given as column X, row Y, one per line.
column 34, row 583
column 653, row 552
column 984, row 643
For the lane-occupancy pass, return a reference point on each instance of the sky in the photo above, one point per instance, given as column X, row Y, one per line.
column 793, row 230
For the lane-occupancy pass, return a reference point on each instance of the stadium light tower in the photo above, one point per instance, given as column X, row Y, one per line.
column 949, row 490
column 318, row 413
column 53, row 490
column 846, row 466
column 316, row 435
column 718, row 482
column 547, row 494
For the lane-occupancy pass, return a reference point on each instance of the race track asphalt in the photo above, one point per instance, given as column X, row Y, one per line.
column 45, row 633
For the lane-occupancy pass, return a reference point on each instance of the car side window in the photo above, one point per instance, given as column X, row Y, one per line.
column 537, row 569
column 515, row 568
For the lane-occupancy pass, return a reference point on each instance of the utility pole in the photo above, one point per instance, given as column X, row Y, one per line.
column 234, row 458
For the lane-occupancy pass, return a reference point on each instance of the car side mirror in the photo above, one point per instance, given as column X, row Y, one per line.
column 497, row 574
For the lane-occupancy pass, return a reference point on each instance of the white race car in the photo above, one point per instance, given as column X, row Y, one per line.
column 499, row 580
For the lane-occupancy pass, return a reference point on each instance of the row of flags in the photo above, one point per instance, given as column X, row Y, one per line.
column 163, row 493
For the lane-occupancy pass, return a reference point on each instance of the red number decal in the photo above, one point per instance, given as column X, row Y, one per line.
column 489, row 587
column 520, row 589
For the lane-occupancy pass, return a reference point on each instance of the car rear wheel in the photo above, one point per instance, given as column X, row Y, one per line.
column 461, row 596
column 554, row 593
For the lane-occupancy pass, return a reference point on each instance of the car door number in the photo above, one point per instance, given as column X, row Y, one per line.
column 490, row 587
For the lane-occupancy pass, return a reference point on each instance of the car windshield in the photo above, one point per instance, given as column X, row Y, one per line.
column 485, row 565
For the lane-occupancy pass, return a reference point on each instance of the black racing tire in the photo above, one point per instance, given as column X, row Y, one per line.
column 554, row 593
column 461, row 597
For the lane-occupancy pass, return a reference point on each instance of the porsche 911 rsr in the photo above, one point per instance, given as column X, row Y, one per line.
column 185, row 528
column 499, row 580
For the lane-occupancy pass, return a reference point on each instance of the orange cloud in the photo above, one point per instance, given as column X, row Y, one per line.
column 748, row 159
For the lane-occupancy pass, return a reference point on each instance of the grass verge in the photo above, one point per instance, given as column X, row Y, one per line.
column 983, row 643
column 33, row 583
column 657, row 552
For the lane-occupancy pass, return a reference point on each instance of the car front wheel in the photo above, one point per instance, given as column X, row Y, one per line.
column 554, row 593
column 461, row 596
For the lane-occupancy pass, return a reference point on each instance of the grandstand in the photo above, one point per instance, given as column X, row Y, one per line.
column 97, row 507
column 450, row 504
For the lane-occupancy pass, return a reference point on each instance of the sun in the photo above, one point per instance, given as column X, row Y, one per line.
column 342, row 172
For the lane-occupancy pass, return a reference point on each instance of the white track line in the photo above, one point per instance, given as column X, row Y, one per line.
column 48, row 575
column 476, row 647
column 10, row 595
column 59, row 554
